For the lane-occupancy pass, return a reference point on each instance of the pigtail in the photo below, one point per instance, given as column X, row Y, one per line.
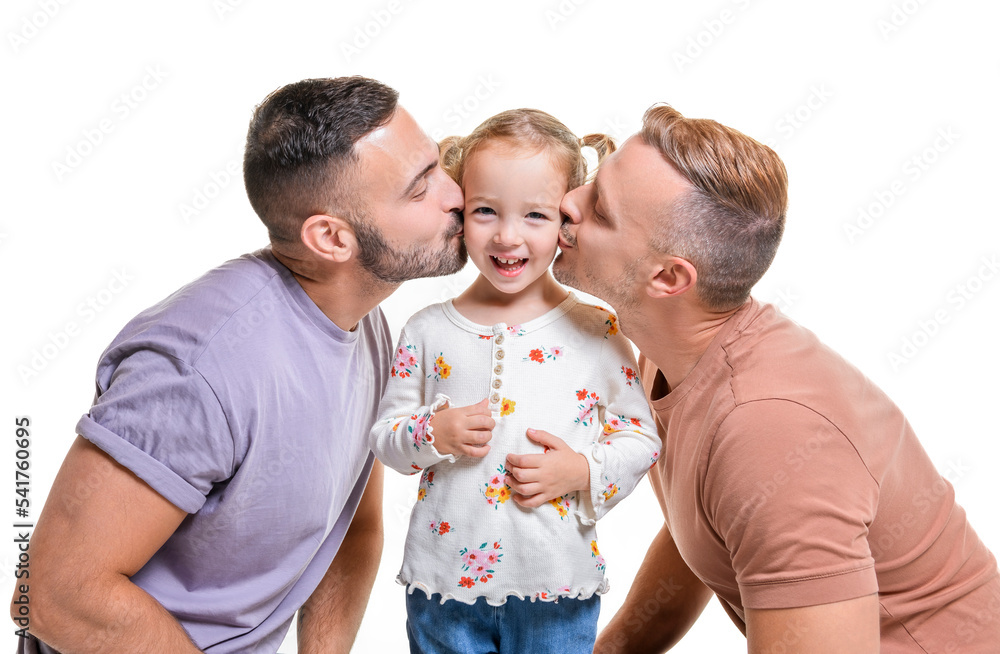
column 601, row 143
column 450, row 156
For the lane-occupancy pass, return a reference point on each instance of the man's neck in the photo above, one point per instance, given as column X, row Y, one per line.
column 675, row 339
column 344, row 294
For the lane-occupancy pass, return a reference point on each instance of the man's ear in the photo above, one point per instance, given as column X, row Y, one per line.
column 672, row 278
column 329, row 237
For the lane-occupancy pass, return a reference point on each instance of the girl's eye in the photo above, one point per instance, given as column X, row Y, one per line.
column 484, row 210
column 537, row 216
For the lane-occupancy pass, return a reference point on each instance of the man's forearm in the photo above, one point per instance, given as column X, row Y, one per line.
column 100, row 525
column 116, row 616
column 665, row 600
column 329, row 621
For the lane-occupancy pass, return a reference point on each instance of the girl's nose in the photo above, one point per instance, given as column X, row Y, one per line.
column 508, row 234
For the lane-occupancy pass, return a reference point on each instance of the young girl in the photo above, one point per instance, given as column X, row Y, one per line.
column 521, row 409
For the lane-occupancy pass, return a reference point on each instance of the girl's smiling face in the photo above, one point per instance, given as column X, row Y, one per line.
column 512, row 217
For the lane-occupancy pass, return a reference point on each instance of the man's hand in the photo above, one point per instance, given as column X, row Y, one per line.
column 538, row 478
column 463, row 430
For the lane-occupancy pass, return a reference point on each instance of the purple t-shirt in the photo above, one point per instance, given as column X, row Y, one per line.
column 241, row 403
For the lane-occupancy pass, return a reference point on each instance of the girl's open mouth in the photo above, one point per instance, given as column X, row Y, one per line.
column 508, row 267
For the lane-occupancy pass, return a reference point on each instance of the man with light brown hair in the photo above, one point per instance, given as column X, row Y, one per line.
column 791, row 487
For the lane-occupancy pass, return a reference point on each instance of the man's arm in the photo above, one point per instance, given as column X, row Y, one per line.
column 99, row 526
column 330, row 618
column 665, row 600
column 849, row 627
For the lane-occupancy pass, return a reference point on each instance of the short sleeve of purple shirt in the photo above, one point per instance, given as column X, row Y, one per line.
column 241, row 403
column 160, row 419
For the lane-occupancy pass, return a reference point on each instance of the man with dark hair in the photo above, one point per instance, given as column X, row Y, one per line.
column 222, row 479
column 791, row 487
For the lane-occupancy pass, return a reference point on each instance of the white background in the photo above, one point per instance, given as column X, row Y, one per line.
column 847, row 96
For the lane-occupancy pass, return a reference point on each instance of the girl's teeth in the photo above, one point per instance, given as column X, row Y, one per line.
column 508, row 261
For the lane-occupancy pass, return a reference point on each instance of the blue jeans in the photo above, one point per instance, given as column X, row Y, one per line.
column 568, row 626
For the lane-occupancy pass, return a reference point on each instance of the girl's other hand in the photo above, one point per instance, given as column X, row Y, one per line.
column 538, row 478
column 464, row 430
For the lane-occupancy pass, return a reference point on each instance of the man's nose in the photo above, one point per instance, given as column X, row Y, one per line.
column 453, row 198
column 570, row 205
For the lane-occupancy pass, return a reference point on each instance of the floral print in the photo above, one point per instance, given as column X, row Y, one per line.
column 562, row 506
column 620, row 423
column 469, row 503
column 497, row 491
column 426, row 481
column 417, row 428
column 653, row 459
column 611, row 322
column 441, row 528
column 548, row 595
column 441, row 369
column 596, row 553
column 480, row 562
column 588, row 400
column 405, row 363
column 543, row 354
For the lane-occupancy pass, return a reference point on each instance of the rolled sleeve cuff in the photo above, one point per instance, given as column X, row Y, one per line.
column 810, row 591
column 174, row 488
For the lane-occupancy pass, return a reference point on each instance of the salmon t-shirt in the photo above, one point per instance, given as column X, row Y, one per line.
column 788, row 479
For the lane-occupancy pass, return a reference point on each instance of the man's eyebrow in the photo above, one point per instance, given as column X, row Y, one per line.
column 419, row 176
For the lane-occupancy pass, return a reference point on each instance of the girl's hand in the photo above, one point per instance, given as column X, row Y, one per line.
column 538, row 478
column 463, row 430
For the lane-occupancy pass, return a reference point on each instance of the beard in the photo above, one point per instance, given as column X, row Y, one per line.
column 394, row 266
column 619, row 293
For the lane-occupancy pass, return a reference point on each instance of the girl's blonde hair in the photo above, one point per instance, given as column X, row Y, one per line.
column 526, row 128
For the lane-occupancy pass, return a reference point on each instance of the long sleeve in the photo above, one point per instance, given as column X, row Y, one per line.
column 402, row 437
column 467, row 539
column 629, row 444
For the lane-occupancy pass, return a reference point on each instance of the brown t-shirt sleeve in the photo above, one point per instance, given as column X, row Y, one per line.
column 792, row 499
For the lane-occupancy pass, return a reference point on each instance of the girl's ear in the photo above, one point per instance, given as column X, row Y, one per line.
column 329, row 237
column 674, row 278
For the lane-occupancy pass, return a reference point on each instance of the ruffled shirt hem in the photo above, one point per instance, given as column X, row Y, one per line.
column 541, row 596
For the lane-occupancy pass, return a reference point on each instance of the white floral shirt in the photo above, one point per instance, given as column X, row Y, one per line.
column 569, row 372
